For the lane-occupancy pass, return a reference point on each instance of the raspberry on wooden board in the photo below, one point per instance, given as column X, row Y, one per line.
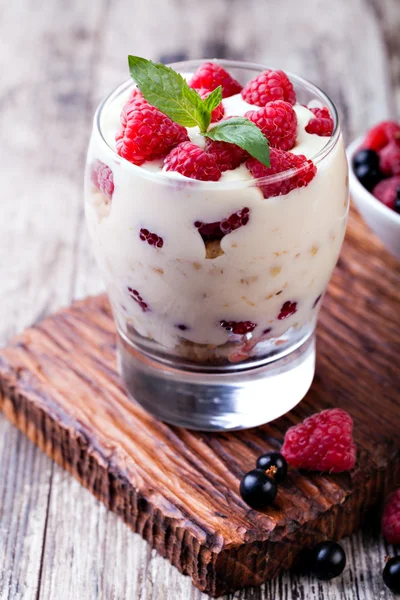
column 323, row 442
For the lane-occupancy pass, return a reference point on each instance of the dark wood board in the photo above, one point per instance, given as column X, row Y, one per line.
column 179, row 489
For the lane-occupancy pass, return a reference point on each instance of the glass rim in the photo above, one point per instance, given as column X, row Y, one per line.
column 162, row 178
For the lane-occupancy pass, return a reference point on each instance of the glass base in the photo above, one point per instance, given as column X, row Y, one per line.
column 221, row 400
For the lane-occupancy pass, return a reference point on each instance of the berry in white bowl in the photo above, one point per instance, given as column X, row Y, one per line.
column 375, row 181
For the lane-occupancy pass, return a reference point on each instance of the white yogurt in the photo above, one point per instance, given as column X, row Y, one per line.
column 285, row 253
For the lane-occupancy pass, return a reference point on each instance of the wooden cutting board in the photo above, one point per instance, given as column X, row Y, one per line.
column 179, row 489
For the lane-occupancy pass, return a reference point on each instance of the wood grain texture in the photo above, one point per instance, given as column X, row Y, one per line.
column 59, row 59
column 179, row 489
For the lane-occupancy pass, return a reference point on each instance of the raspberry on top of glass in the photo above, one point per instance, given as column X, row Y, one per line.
column 217, row 227
column 210, row 124
column 377, row 163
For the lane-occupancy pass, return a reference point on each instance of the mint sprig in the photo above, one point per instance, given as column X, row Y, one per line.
column 214, row 99
column 168, row 91
column 243, row 133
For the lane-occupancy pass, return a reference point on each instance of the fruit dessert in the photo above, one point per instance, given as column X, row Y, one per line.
column 377, row 163
column 217, row 206
column 323, row 442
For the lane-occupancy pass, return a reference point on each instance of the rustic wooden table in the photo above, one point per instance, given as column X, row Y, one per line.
column 58, row 59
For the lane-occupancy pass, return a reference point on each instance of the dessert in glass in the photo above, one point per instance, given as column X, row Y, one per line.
column 215, row 263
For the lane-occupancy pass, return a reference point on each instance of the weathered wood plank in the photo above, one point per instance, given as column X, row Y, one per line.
column 387, row 13
column 25, row 475
column 179, row 489
column 47, row 253
column 95, row 556
column 45, row 85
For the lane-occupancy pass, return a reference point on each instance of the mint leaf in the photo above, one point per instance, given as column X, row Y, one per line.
column 243, row 133
column 169, row 92
column 214, row 99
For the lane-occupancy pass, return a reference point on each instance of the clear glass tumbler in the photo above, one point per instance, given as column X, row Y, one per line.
column 214, row 334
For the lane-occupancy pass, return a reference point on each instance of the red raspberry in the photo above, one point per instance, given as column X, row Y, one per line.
column 389, row 158
column 192, row 161
column 386, row 191
column 146, row 133
column 270, row 85
column 288, row 309
column 138, row 298
column 238, row 327
column 278, row 122
column 380, row 135
column 228, row 156
column 322, row 124
column 218, row 113
column 391, row 519
column 151, row 238
column 218, row 229
column 103, row 179
column 136, row 100
column 136, row 96
column 210, row 75
column 283, row 161
column 323, row 442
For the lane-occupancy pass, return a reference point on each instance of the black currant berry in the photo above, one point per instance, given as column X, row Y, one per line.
column 391, row 574
column 328, row 560
column 397, row 201
column 368, row 176
column 273, row 459
column 257, row 489
column 366, row 157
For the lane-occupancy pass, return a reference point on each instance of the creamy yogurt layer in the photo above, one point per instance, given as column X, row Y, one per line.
column 188, row 295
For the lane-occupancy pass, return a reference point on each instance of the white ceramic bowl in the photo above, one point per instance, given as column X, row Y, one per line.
column 383, row 221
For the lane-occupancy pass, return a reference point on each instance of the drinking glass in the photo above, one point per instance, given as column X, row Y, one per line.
column 214, row 334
